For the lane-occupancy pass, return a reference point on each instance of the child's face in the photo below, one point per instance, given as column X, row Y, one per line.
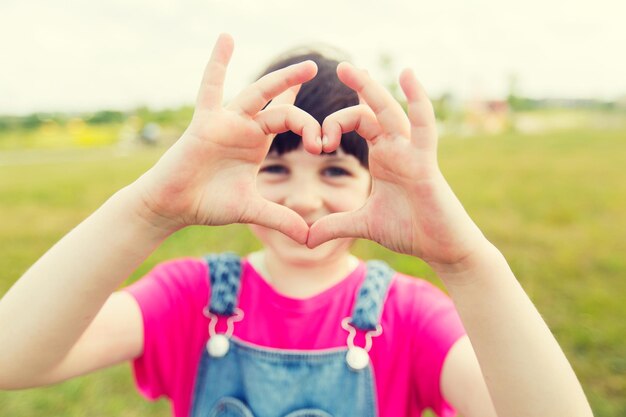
column 313, row 186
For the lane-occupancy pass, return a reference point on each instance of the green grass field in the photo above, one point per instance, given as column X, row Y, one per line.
column 554, row 204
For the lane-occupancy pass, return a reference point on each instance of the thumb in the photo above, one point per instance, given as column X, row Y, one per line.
column 337, row 225
column 266, row 213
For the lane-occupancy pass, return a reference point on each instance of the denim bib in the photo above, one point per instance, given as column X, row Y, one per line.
column 239, row 379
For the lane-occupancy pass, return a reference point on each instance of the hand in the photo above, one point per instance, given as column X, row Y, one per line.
column 411, row 209
column 208, row 177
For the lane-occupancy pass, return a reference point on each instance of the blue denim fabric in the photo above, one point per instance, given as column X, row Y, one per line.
column 225, row 271
column 272, row 383
column 371, row 297
column 254, row 381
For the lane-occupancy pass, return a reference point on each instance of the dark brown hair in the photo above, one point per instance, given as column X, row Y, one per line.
column 320, row 97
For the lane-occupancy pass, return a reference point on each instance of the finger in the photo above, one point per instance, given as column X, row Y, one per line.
column 287, row 97
column 277, row 217
column 338, row 225
column 388, row 111
column 360, row 119
column 254, row 97
column 284, row 117
column 211, row 89
column 420, row 111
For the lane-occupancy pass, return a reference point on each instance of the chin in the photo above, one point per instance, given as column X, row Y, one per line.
column 295, row 253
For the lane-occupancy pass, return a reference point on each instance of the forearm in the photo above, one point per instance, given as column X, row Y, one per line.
column 46, row 311
column 525, row 369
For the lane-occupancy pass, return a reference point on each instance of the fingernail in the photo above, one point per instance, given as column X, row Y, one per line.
column 324, row 141
column 318, row 140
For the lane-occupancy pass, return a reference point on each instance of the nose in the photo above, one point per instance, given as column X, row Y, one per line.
column 305, row 198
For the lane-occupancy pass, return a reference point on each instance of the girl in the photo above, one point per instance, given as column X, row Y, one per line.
column 301, row 328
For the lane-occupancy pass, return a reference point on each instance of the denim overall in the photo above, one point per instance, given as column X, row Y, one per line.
column 238, row 379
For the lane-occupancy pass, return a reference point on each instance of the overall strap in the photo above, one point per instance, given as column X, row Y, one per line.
column 225, row 278
column 371, row 296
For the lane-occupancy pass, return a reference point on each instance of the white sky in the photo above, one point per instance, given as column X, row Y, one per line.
column 88, row 55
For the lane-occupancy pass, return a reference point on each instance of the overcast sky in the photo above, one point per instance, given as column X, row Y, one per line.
column 88, row 55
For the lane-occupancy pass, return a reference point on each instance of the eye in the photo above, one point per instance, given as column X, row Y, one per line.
column 334, row 171
column 274, row 169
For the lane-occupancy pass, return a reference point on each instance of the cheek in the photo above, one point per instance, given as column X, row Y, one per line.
column 355, row 196
column 270, row 191
column 349, row 198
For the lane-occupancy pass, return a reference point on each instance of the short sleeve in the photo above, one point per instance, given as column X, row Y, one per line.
column 171, row 298
column 438, row 327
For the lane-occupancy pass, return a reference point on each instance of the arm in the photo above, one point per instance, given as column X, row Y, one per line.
column 524, row 369
column 207, row 177
column 519, row 357
column 59, row 296
column 462, row 383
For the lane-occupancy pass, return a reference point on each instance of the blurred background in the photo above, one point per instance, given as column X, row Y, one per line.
column 531, row 105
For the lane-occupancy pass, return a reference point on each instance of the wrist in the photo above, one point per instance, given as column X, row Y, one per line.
column 143, row 215
column 478, row 265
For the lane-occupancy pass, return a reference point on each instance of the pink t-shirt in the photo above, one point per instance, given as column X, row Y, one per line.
column 419, row 322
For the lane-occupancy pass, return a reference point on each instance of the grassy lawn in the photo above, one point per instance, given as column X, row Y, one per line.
column 554, row 204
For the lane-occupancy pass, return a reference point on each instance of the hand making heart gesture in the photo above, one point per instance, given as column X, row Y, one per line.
column 208, row 177
column 411, row 209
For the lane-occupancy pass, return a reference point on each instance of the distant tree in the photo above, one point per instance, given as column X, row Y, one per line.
column 7, row 123
column 31, row 122
column 443, row 106
column 516, row 101
column 178, row 117
column 105, row 117
column 386, row 64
